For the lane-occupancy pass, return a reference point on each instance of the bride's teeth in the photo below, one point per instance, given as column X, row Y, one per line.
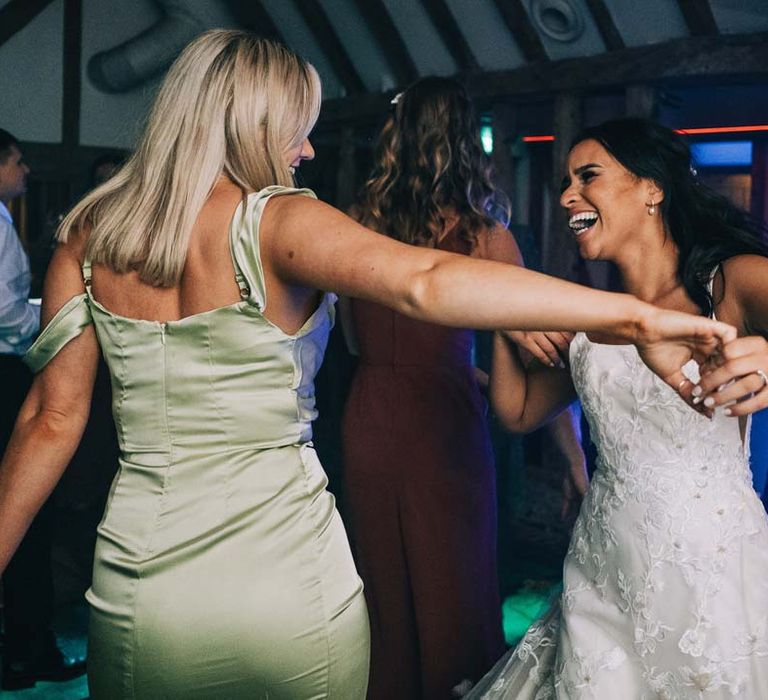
column 582, row 221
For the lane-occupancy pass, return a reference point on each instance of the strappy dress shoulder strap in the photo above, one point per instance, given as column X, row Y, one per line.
column 244, row 242
column 68, row 323
column 87, row 273
column 747, row 425
column 711, row 288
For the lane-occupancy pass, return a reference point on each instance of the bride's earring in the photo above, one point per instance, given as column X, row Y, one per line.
column 651, row 208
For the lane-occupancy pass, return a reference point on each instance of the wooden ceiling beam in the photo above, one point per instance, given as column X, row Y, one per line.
column 690, row 60
column 520, row 26
column 605, row 25
column 698, row 16
column 380, row 24
column 17, row 14
column 322, row 29
column 450, row 33
column 255, row 18
column 72, row 88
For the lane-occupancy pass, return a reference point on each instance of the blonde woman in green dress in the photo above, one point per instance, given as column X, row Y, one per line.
column 222, row 569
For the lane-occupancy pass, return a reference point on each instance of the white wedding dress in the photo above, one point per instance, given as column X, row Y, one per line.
column 665, row 588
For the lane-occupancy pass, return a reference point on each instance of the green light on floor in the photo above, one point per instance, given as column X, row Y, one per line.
column 524, row 607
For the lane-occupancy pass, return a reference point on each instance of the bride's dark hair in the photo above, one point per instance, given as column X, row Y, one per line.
column 429, row 160
column 706, row 227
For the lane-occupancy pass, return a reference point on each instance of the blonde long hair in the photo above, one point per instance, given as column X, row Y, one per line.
column 232, row 103
column 429, row 163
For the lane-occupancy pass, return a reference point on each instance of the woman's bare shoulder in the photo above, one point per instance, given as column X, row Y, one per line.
column 745, row 290
column 746, row 275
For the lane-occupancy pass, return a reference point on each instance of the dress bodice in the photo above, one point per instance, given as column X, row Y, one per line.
column 224, row 379
column 638, row 421
column 387, row 338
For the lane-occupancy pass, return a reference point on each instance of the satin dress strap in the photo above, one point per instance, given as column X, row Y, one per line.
column 244, row 243
column 68, row 323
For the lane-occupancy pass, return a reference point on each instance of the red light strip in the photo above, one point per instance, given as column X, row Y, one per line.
column 703, row 130
column 723, row 129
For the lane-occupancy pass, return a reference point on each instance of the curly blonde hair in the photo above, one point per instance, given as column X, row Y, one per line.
column 429, row 163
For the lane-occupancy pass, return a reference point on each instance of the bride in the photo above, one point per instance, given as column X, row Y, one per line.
column 666, row 577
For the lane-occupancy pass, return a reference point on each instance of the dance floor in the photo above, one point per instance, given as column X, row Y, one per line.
column 71, row 624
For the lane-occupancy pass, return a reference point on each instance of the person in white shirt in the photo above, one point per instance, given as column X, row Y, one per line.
column 19, row 320
column 30, row 649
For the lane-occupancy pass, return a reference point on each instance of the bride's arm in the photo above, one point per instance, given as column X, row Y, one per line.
column 525, row 398
column 738, row 368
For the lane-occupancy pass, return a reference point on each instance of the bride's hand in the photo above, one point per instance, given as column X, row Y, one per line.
column 548, row 347
column 736, row 378
column 667, row 340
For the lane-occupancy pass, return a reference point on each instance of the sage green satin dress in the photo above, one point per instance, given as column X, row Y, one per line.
column 222, row 569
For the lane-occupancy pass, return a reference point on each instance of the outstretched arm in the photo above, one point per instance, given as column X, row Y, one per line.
column 306, row 243
column 53, row 416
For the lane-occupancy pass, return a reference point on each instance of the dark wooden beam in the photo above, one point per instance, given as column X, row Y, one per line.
column 559, row 256
column 57, row 162
column 519, row 24
column 322, row 29
column 605, row 25
column 698, row 16
column 70, row 117
column 346, row 174
column 380, row 23
column 17, row 14
column 450, row 33
column 689, row 60
column 254, row 17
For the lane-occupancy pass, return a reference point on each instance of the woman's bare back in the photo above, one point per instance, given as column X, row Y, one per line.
column 208, row 279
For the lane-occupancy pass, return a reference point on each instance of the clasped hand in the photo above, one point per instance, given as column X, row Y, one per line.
column 734, row 379
column 548, row 347
column 734, row 375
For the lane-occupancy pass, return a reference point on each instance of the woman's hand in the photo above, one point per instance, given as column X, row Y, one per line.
column 736, row 379
column 667, row 340
column 550, row 347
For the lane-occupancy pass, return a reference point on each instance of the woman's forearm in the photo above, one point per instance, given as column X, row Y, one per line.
column 525, row 398
column 490, row 295
column 40, row 450
column 429, row 284
column 508, row 383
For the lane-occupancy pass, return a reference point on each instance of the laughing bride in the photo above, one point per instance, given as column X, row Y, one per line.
column 666, row 578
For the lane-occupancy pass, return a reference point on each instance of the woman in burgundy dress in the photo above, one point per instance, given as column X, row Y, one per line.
column 419, row 480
